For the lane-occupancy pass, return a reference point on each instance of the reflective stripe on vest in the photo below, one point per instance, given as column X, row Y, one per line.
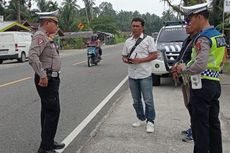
column 210, row 74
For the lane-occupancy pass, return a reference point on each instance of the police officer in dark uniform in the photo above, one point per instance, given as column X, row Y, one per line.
column 204, row 68
column 45, row 61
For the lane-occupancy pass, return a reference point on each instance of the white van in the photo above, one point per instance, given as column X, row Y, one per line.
column 14, row 45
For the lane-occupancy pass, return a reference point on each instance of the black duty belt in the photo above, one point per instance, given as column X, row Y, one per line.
column 53, row 74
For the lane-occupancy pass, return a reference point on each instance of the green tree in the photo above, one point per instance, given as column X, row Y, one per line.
column 96, row 12
column 168, row 16
column 105, row 24
column 13, row 7
column 53, row 6
column 124, row 19
column 106, row 9
column 136, row 14
column 216, row 14
column 153, row 23
column 46, row 6
column 88, row 9
column 69, row 15
column 2, row 7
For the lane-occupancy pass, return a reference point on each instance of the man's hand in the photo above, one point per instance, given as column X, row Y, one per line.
column 175, row 75
column 180, row 67
column 43, row 82
column 173, row 69
column 125, row 59
column 136, row 60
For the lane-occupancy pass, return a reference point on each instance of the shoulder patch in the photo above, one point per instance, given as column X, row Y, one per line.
column 198, row 45
column 40, row 40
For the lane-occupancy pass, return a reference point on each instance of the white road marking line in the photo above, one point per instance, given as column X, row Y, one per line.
column 14, row 82
column 78, row 63
column 86, row 121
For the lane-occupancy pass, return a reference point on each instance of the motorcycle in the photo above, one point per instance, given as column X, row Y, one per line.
column 93, row 56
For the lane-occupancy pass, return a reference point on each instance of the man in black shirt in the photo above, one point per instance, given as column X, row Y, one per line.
column 185, row 57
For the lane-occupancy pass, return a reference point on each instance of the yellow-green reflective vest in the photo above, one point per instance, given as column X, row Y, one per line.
column 216, row 54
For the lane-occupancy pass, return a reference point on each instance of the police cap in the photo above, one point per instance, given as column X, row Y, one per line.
column 48, row 15
column 195, row 9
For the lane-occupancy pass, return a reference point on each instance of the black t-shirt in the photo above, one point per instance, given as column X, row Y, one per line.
column 188, row 50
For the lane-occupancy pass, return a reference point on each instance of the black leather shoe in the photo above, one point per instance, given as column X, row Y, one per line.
column 40, row 150
column 58, row 145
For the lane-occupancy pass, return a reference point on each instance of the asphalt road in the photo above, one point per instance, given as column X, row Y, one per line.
column 82, row 89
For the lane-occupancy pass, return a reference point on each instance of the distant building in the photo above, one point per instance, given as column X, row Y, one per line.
column 12, row 26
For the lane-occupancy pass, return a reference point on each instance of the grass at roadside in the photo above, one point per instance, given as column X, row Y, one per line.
column 119, row 39
column 227, row 68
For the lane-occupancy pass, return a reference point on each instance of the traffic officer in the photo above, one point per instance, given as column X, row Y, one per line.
column 204, row 68
column 45, row 61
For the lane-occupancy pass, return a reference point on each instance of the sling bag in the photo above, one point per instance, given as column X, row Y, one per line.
column 139, row 40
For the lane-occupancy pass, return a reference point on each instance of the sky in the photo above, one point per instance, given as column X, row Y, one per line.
column 142, row 6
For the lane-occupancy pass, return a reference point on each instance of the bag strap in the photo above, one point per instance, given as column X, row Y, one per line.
column 185, row 50
column 139, row 40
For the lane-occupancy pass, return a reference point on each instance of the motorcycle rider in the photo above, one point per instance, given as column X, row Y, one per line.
column 96, row 42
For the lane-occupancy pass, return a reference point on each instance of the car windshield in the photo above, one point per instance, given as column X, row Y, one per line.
column 177, row 34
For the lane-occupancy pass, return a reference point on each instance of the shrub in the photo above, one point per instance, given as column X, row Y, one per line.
column 73, row 43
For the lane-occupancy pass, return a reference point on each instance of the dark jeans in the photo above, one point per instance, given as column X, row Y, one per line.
column 50, row 111
column 205, row 122
column 139, row 87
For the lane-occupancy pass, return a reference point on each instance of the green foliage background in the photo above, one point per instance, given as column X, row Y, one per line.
column 104, row 17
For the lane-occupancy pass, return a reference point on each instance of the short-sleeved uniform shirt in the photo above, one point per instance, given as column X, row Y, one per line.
column 43, row 54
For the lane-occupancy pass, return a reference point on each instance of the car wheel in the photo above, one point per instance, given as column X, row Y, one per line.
column 23, row 58
column 156, row 80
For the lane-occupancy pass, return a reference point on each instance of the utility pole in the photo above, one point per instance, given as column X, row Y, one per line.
column 18, row 11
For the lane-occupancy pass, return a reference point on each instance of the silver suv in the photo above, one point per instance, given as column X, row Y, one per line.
column 168, row 42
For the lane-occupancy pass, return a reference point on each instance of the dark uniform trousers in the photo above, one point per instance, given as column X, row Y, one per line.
column 50, row 110
column 204, row 117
